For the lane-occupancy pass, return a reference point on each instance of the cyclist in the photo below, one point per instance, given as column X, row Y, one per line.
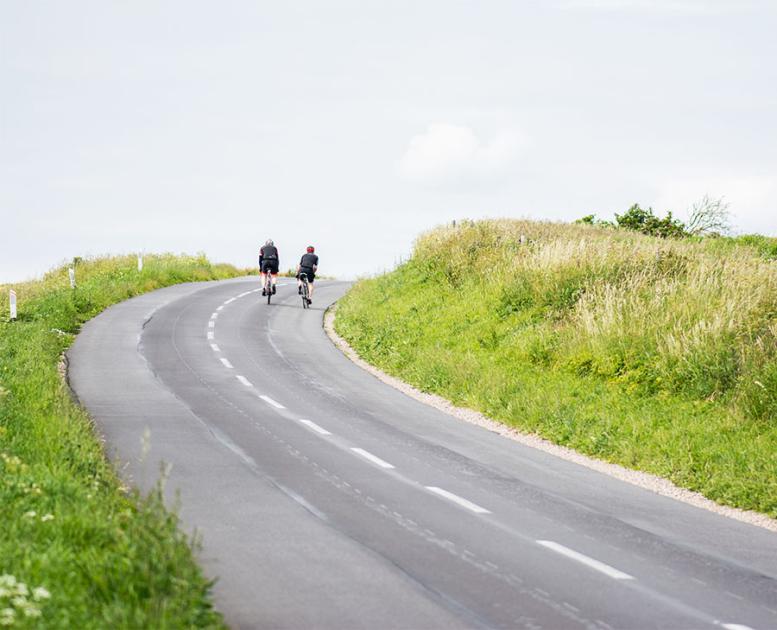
column 308, row 265
column 268, row 263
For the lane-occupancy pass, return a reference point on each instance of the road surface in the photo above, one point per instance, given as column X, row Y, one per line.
column 327, row 499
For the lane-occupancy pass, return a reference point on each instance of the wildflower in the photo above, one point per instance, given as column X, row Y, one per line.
column 30, row 514
column 40, row 593
column 47, row 517
column 7, row 616
column 32, row 611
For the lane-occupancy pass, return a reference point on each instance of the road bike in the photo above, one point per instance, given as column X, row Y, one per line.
column 305, row 290
column 268, row 285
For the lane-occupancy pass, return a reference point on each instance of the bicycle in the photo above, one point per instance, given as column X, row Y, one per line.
column 268, row 285
column 305, row 290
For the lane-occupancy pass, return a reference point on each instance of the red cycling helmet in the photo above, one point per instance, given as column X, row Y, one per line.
column 311, row 249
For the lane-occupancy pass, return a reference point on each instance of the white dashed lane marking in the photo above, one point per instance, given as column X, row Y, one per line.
column 210, row 335
column 211, row 324
column 215, row 347
column 214, row 316
column 586, row 560
column 244, row 380
column 272, row 402
column 230, row 300
column 474, row 507
column 315, row 427
column 373, row 458
column 735, row 626
column 220, row 307
column 226, row 363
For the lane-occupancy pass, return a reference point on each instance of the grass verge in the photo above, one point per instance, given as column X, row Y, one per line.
column 655, row 354
column 78, row 550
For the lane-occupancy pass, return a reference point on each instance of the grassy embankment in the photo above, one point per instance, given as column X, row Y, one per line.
column 104, row 557
column 660, row 355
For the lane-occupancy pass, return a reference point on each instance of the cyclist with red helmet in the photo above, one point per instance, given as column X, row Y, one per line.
column 308, row 265
column 269, row 263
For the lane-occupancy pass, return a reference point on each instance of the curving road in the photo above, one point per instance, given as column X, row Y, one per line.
column 327, row 499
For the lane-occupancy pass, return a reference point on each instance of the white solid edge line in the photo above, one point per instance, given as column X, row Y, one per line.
column 226, row 363
column 590, row 562
column 215, row 347
column 210, row 334
column 457, row 499
column 315, row 427
column 735, row 626
column 272, row 402
column 243, row 380
column 373, row 458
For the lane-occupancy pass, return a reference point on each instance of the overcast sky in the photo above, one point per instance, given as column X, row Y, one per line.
column 354, row 125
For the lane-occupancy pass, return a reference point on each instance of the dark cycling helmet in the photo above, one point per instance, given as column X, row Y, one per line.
column 311, row 249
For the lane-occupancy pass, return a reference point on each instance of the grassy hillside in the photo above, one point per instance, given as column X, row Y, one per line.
column 657, row 354
column 76, row 549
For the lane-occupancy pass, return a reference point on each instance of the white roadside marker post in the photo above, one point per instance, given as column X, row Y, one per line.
column 72, row 273
column 12, row 301
column 140, row 263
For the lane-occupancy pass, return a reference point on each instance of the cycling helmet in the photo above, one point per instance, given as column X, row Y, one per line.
column 311, row 249
column 269, row 242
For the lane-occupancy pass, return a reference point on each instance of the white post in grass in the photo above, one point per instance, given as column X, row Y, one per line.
column 12, row 301
column 140, row 263
column 72, row 273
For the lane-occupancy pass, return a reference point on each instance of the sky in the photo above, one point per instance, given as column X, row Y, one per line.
column 355, row 125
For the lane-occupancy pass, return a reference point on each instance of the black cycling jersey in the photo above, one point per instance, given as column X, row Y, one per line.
column 268, row 252
column 309, row 260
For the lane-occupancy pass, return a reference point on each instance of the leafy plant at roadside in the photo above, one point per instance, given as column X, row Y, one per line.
column 107, row 557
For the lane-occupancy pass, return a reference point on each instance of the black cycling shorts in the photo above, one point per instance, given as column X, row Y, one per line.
column 308, row 272
column 271, row 266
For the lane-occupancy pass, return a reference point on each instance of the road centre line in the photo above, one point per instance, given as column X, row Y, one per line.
column 272, row 402
column 315, row 427
column 226, row 363
column 586, row 560
column 373, row 458
column 220, row 307
column 214, row 316
column 211, row 324
column 230, row 300
column 474, row 507
column 735, row 626
column 244, row 380
column 215, row 347
column 244, row 294
column 210, row 335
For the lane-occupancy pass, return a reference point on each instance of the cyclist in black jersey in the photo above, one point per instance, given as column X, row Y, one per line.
column 308, row 265
column 269, row 263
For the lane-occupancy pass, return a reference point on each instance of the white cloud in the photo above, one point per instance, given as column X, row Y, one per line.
column 448, row 152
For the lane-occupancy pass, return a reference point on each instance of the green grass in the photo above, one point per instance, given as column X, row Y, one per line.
column 108, row 557
column 658, row 355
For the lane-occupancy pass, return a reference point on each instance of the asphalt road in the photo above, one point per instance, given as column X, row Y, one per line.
column 327, row 499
